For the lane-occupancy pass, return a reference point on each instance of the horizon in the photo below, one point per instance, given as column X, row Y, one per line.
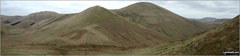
column 196, row 9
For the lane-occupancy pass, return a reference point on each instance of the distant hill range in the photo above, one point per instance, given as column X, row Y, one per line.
column 9, row 19
column 33, row 18
column 213, row 21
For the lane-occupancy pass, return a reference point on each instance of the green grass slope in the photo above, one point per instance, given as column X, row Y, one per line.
column 213, row 42
column 222, row 38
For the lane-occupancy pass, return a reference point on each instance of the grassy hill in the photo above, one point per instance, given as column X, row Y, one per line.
column 93, row 30
column 97, row 21
column 31, row 19
column 9, row 19
column 162, row 20
column 213, row 21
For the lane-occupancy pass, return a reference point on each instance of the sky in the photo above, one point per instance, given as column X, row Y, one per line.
column 188, row 9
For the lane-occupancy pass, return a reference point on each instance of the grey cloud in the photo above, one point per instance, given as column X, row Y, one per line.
column 219, row 7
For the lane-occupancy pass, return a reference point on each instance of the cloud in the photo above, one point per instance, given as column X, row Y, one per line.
column 200, row 9
column 189, row 9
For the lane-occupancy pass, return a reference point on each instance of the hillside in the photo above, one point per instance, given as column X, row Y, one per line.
column 9, row 19
column 162, row 20
column 9, row 30
column 33, row 18
column 224, row 37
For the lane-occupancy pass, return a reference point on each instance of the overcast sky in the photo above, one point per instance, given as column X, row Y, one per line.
column 189, row 9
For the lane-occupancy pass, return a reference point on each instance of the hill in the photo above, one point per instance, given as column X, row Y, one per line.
column 209, row 19
column 216, row 41
column 97, row 21
column 213, row 21
column 9, row 19
column 93, row 30
column 224, row 37
column 10, row 30
column 162, row 20
column 33, row 18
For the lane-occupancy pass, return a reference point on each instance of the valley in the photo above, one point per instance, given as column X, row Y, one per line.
column 142, row 28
